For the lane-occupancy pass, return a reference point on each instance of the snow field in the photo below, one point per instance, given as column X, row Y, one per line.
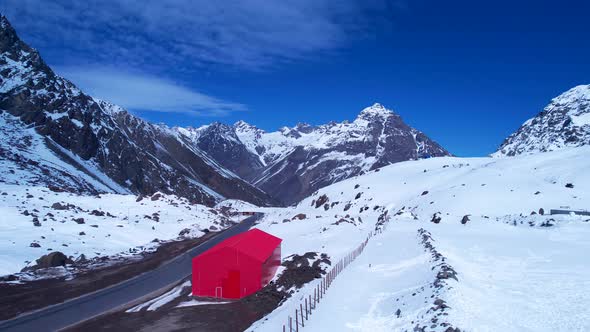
column 130, row 228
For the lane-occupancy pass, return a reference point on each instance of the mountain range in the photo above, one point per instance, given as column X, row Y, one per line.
column 95, row 146
column 56, row 135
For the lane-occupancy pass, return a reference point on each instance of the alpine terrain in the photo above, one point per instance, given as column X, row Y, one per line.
column 382, row 229
column 292, row 163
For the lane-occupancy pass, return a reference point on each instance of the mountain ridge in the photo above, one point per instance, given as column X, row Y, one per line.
column 564, row 122
column 293, row 162
column 107, row 141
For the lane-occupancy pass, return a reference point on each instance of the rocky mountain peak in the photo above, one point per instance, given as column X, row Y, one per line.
column 244, row 127
column 578, row 94
column 376, row 111
column 565, row 122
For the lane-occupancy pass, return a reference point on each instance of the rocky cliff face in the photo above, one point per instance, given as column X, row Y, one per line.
column 103, row 141
column 565, row 122
column 294, row 162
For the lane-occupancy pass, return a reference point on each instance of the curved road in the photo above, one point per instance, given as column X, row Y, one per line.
column 76, row 310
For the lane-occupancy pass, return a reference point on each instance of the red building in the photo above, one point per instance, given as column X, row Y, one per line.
column 238, row 266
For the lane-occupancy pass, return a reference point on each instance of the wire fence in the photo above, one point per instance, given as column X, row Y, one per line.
column 310, row 302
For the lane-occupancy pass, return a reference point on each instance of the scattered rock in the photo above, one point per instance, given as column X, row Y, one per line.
column 35, row 245
column 299, row 216
column 541, row 211
column 59, row 206
column 156, row 196
column 465, row 219
column 436, row 218
column 79, row 221
column 81, row 233
column 425, row 192
column 53, row 259
column 81, row 259
column 97, row 213
column 569, row 185
column 56, row 189
column 358, row 195
column 321, row 201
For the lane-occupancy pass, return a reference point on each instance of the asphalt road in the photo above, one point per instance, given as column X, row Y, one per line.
column 76, row 310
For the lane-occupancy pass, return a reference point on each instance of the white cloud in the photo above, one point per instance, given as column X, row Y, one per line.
column 241, row 33
column 136, row 91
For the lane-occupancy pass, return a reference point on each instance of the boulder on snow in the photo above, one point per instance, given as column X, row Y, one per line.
column 358, row 195
column 184, row 232
column 541, row 211
column 79, row 220
column 436, row 218
column 59, row 206
column 425, row 192
column 56, row 258
column 569, row 185
column 299, row 216
column 465, row 219
column 56, row 189
column 97, row 213
column 35, row 245
column 321, row 201
column 156, row 196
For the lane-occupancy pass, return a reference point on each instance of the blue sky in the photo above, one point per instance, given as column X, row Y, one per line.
column 467, row 73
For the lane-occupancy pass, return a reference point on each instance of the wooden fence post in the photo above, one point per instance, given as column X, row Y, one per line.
column 290, row 324
column 301, row 311
column 296, row 321
column 306, row 309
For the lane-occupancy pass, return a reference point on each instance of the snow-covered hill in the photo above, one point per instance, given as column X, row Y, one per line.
column 119, row 151
column 565, row 122
column 515, row 268
column 291, row 163
column 35, row 221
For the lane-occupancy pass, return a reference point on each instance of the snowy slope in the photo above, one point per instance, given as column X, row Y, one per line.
column 91, row 225
column 565, row 122
column 26, row 159
column 516, row 270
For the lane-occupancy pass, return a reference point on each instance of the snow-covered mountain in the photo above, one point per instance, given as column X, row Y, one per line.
column 54, row 134
column 565, row 122
column 292, row 163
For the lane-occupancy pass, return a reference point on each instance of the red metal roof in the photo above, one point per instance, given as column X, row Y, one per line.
column 254, row 243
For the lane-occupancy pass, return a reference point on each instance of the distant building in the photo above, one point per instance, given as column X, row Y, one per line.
column 238, row 266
